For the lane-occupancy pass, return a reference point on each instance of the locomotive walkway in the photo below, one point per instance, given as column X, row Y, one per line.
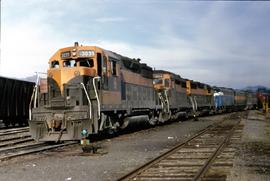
column 194, row 159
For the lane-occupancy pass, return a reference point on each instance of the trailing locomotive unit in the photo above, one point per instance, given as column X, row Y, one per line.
column 201, row 97
column 240, row 100
column 224, row 99
column 181, row 97
column 251, row 100
column 91, row 89
column 171, row 95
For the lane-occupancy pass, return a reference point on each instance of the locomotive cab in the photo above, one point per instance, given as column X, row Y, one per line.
column 161, row 82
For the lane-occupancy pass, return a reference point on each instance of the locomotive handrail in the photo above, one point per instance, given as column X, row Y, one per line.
column 94, row 84
column 32, row 97
column 36, row 92
column 161, row 100
column 89, row 101
column 196, row 104
column 192, row 103
column 167, row 99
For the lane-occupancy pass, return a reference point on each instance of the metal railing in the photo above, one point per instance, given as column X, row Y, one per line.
column 89, row 101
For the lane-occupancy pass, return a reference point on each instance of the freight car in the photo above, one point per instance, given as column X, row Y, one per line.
column 15, row 96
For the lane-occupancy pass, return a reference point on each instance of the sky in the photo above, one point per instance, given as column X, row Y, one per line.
column 218, row 43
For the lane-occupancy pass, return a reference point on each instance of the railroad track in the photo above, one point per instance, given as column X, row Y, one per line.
column 11, row 131
column 17, row 142
column 204, row 156
column 29, row 148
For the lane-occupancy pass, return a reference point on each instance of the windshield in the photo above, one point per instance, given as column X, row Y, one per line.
column 69, row 63
column 157, row 81
column 82, row 62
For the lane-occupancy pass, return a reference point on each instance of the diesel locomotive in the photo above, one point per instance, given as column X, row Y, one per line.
column 93, row 90
column 89, row 88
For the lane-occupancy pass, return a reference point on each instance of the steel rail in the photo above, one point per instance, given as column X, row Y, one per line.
column 13, row 129
column 16, row 137
column 35, row 148
column 18, row 141
column 14, row 132
column 210, row 160
column 14, row 148
column 166, row 154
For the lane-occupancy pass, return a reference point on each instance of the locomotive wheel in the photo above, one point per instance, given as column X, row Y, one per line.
column 152, row 121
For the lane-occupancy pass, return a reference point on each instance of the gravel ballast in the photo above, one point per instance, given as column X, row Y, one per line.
column 117, row 156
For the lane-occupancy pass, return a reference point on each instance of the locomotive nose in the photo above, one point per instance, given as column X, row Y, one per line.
column 61, row 77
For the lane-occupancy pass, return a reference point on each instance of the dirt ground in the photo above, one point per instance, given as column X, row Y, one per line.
column 126, row 152
column 253, row 157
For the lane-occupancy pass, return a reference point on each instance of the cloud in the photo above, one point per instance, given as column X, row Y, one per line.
column 110, row 19
column 220, row 43
column 26, row 48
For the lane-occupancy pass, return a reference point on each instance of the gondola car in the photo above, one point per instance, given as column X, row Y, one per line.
column 15, row 96
column 91, row 89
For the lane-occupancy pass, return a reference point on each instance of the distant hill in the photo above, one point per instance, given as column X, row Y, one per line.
column 255, row 88
column 32, row 78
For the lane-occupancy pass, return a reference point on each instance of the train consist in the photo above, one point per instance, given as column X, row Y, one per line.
column 15, row 96
column 93, row 90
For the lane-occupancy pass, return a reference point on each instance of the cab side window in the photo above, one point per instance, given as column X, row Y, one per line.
column 113, row 67
column 86, row 62
column 167, row 82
